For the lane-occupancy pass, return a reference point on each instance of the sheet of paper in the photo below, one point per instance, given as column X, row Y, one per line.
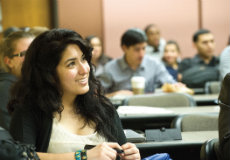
column 142, row 110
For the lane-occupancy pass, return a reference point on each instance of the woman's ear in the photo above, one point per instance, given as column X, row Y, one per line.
column 8, row 61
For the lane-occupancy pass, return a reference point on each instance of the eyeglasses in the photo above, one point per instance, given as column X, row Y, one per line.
column 21, row 54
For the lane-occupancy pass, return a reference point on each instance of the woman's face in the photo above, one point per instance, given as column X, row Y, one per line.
column 171, row 54
column 73, row 71
column 97, row 47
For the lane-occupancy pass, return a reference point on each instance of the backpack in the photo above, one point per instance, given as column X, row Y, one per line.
column 158, row 156
column 198, row 75
column 14, row 150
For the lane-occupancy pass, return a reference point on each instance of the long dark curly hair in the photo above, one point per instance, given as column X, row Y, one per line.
column 39, row 86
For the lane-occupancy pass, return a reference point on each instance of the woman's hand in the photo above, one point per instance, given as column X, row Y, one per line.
column 131, row 152
column 103, row 151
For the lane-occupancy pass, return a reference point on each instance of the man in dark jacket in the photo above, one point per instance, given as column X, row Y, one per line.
column 6, row 81
column 204, row 66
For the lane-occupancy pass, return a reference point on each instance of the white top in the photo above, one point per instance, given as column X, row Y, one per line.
column 156, row 54
column 62, row 141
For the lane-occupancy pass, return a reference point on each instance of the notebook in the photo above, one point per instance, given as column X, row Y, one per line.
column 133, row 136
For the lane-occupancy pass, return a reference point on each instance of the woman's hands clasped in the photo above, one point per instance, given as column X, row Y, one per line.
column 106, row 151
column 131, row 152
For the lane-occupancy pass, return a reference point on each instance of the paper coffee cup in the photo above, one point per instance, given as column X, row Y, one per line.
column 138, row 85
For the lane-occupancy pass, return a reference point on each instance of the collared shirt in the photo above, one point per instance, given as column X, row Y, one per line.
column 117, row 74
column 150, row 50
column 197, row 60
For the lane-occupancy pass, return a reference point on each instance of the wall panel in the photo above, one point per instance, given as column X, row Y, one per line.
column 216, row 18
column 177, row 20
column 83, row 16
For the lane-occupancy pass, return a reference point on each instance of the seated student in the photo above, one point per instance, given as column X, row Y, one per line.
column 118, row 72
column 171, row 58
column 99, row 59
column 224, row 119
column 58, row 105
column 12, row 56
column 155, row 43
column 204, row 66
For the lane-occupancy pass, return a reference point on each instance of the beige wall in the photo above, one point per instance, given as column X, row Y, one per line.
column 178, row 20
column 216, row 17
column 83, row 16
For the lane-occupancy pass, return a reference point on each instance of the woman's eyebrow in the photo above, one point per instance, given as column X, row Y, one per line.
column 70, row 59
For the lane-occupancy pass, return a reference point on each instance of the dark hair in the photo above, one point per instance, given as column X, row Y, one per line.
column 173, row 42
column 133, row 36
column 198, row 33
column 148, row 27
column 39, row 86
column 90, row 37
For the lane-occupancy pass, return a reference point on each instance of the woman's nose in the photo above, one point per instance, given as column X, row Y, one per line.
column 84, row 68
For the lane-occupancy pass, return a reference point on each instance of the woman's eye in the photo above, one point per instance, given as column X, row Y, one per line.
column 71, row 64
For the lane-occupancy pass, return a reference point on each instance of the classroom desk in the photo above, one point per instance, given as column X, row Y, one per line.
column 141, row 117
column 206, row 99
column 200, row 99
column 188, row 148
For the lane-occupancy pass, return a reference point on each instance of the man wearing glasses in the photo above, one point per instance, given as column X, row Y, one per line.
column 13, row 50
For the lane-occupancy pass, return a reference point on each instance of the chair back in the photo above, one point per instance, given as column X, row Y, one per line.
column 210, row 150
column 196, row 122
column 212, row 87
column 161, row 100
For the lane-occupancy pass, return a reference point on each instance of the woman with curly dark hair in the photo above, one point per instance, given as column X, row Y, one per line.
column 59, row 106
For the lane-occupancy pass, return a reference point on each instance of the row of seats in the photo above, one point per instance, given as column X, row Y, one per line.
column 196, row 122
column 161, row 100
column 212, row 87
column 170, row 99
column 200, row 122
column 187, row 122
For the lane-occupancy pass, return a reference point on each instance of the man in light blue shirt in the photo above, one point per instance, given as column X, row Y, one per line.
column 118, row 72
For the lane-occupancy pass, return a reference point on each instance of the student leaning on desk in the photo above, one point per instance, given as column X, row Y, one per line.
column 58, row 105
column 118, row 72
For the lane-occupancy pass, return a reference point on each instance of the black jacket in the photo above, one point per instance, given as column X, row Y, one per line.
column 195, row 72
column 32, row 126
column 224, row 119
column 6, row 81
